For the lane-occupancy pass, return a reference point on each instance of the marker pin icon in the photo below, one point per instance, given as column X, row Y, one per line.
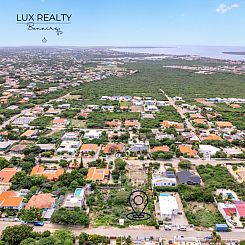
column 138, row 201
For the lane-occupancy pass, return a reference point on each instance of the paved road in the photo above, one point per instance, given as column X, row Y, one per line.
column 135, row 233
column 5, row 123
column 179, row 110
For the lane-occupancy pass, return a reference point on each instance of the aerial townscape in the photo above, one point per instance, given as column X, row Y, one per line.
column 81, row 128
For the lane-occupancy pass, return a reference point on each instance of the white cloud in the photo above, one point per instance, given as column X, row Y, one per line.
column 224, row 8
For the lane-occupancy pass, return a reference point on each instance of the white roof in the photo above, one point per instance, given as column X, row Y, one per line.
column 167, row 203
column 208, row 148
column 5, row 144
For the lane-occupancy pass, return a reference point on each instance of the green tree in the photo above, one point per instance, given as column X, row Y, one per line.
column 28, row 241
column 13, row 235
column 32, row 214
column 70, row 217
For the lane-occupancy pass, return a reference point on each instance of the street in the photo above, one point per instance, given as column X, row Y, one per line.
column 133, row 232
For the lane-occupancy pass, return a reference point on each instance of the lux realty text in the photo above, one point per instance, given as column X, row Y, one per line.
column 32, row 19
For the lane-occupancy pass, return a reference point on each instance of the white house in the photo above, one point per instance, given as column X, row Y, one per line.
column 164, row 179
column 168, row 206
column 92, row 134
column 208, row 150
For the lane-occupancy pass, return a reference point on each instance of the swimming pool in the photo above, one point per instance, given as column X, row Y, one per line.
column 79, row 192
column 164, row 194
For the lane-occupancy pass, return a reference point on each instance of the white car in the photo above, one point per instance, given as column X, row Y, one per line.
column 167, row 228
column 182, row 228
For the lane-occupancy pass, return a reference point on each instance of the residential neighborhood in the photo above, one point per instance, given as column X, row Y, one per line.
column 71, row 158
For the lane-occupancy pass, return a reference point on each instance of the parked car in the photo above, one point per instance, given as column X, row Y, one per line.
column 182, row 228
column 167, row 228
column 38, row 223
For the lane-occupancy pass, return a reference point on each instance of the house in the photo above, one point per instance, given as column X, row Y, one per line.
column 236, row 208
column 208, row 150
column 147, row 115
column 183, row 240
column 113, row 147
column 92, row 134
column 10, row 199
column 210, row 137
column 60, row 122
column 43, row 201
column 139, row 147
column 73, row 136
column 46, row 147
column 86, row 148
column 64, row 106
column 51, row 174
column 114, row 123
column 232, row 151
column 52, row 111
column 98, row 174
column 93, row 107
column 171, row 124
column 199, row 121
column 187, row 149
column 4, row 145
column 18, row 149
column 107, row 108
column 167, row 178
column 168, row 206
column 69, row 147
column 191, row 137
column 150, row 108
column 132, row 124
column 24, row 121
column 76, row 200
column 224, row 125
column 30, row 134
column 37, row 110
column 83, row 114
column 6, row 174
column 186, row 177
column 163, row 148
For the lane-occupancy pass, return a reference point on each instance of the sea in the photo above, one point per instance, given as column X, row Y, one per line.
column 215, row 52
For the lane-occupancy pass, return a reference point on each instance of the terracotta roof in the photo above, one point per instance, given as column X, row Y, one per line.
column 224, row 124
column 114, row 123
column 212, row 137
column 235, row 106
column 163, row 148
column 199, row 120
column 18, row 148
column 7, row 174
column 131, row 123
column 89, row 147
column 10, row 199
column 168, row 124
column 229, row 211
column 241, row 209
column 59, row 121
column 185, row 149
column 45, row 200
column 50, row 174
column 97, row 174
column 29, row 133
column 111, row 147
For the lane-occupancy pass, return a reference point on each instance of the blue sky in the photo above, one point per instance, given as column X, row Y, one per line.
column 129, row 22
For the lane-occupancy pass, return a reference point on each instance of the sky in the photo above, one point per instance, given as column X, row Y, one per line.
column 127, row 22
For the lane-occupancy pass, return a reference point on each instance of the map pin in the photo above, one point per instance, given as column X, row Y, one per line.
column 138, row 201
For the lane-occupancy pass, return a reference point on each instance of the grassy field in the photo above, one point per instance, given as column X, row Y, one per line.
column 78, row 123
column 203, row 214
